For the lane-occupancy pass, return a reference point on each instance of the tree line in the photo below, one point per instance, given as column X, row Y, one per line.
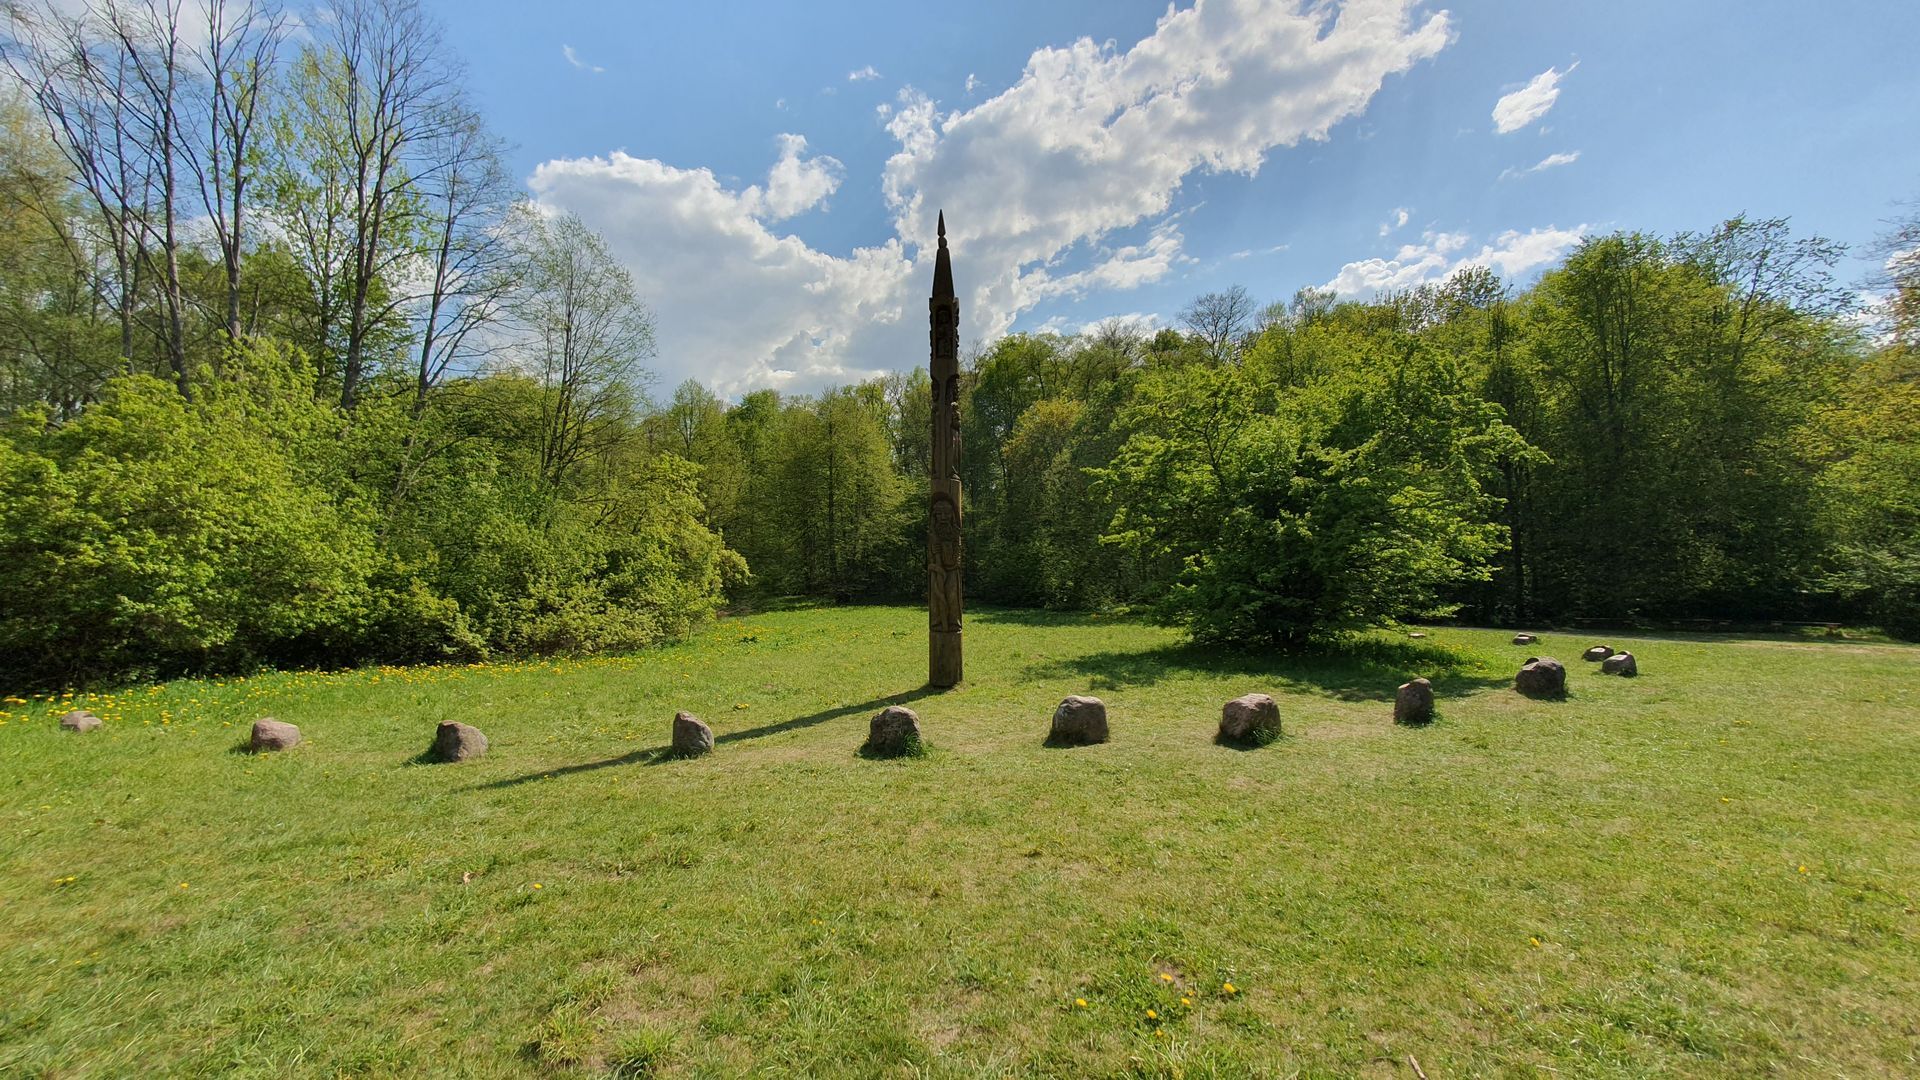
column 292, row 373
column 1703, row 427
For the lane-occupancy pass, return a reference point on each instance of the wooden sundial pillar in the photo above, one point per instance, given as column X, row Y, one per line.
column 944, row 548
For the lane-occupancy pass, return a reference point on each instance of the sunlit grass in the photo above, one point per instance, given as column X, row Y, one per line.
column 1710, row 870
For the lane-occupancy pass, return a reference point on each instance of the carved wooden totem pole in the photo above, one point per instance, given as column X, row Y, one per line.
column 944, row 547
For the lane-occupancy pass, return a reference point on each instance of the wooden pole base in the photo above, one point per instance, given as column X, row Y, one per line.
column 943, row 659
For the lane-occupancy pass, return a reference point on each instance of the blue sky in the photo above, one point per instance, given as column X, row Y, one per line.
column 770, row 172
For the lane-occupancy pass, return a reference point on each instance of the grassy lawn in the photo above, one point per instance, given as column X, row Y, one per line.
column 1712, row 870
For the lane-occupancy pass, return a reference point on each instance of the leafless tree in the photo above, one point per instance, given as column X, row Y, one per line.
column 468, row 199
column 80, row 86
column 237, row 62
column 585, row 335
column 386, row 91
column 1219, row 319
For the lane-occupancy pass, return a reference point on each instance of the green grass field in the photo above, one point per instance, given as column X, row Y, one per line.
column 1712, row 870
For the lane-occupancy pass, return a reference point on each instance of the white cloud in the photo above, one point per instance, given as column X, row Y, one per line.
column 1529, row 103
column 1511, row 254
column 1091, row 142
column 1396, row 220
column 1551, row 161
column 737, row 305
column 574, row 59
column 973, row 83
column 794, row 184
column 863, row 74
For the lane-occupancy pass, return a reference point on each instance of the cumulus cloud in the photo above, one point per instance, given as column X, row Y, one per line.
column 794, row 184
column 574, row 59
column 1060, row 184
column 863, row 74
column 1551, row 161
column 1529, row 103
column 738, row 306
column 1510, row 254
column 1396, row 220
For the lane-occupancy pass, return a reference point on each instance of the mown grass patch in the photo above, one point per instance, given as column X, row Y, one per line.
column 1708, row 870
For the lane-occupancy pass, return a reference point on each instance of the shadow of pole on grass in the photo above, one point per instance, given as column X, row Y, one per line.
column 660, row 755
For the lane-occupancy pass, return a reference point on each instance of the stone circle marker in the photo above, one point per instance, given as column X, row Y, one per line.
column 1413, row 704
column 270, row 735
column 1597, row 653
column 1250, row 718
column 893, row 732
column 691, row 736
column 454, row 741
column 1079, row 721
column 1541, row 677
column 80, row 720
column 1525, row 639
column 1620, row 663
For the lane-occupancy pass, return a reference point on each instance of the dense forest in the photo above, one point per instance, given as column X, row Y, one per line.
column 293, row 373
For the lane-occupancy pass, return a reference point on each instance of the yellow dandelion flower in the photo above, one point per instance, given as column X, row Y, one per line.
column 1536, row 941
column 1151, row 1015
column 1230, row 988
column 183, row 884
column 537, row 885
column 1186, row 1001
column 1803, row 868
column 1080, row 1003
column 1164, row 977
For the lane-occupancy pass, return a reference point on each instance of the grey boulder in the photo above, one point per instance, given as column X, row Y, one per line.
column 1250, row 718
column 454, row 741
column 80, row 720
column 1541, row 677
column 270, row 735
column 1413, row 704
column 1620, row 663
column 691, row 736
column 1597, row 654
column 893, row 732
column 1079, row 721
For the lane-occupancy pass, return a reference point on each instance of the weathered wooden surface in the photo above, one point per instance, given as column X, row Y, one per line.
column 945, row 603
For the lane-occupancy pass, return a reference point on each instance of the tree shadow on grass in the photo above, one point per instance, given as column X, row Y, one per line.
column 1045, row 617
column 661, row 755
column 1360, row 670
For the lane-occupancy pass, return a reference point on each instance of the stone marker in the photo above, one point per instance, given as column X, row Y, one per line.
column 1079, row 721
column 1541, row 677
column 691, row 736
column 1597, row 653
column 1252, row 718
column 80, row 720
column 1621, row 663
column 1525, row 639
column 270, row 735
column 1414, row 703
column 894, row 732
column 454, row 741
